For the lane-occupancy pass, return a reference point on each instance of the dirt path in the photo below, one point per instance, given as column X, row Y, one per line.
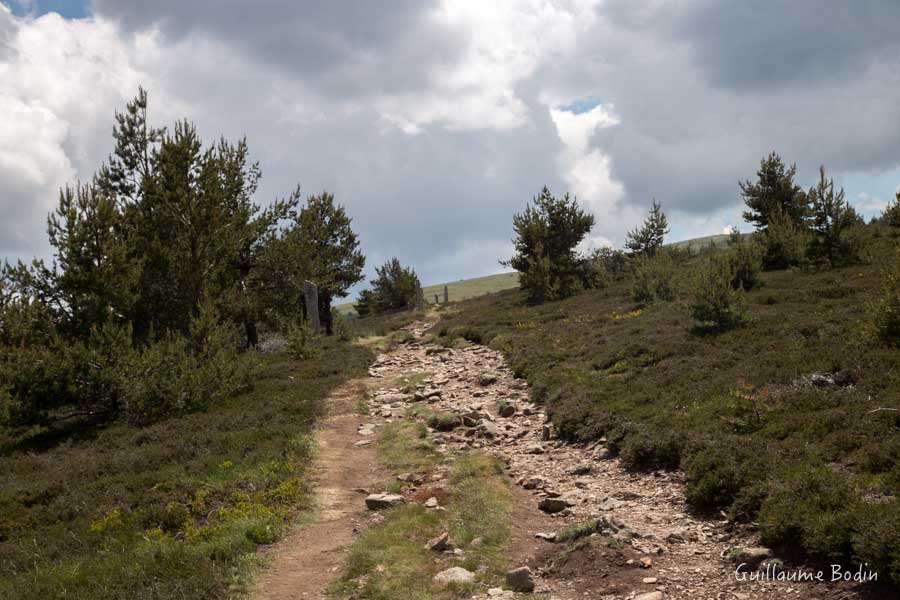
column 651, row 547
column 306, row 561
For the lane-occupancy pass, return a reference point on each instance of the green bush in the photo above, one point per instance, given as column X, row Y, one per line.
column 746, row 263
column 814, row 507
column 891, row 215
column 783, row 244
column 886, row 308
column 654, row 279
column 877, row 537
column 716, row 302
column 302, row 342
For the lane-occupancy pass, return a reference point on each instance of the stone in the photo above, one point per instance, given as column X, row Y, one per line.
column 534, row 483
column 547, row 537
column 553, row 505
column 507, row 410
column 534, row 449
column 520, row 580
column 649, row 580
column 501, row 594
column 650, row 596
column 646, row 562
column 749, row 557
column 455, row 575
column 431, row 502
column 411, row 478
column 383, row 501
column 546, row 432
column 440, row 543
column 361, row 443
column 487, row 378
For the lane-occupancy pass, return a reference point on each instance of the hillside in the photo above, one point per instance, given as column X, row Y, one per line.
column 462, row 289
column 790, row 421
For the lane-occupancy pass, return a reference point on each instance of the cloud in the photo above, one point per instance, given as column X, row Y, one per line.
column 435, row 121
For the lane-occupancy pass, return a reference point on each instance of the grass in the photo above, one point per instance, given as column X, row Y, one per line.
column 462, row 289
column 817, row 465
column 172, row 510
column 389, row 560
column 405, row 446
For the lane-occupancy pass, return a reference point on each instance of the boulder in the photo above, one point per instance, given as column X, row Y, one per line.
column 520, row 580
column 487, row 378
column 507, row 409
column 553, row 505
column 383, row 501
column 455, row 575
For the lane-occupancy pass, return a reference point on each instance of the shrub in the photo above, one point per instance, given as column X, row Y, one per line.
column 783, row 244
column 812, row 506
column 877, row 537
column 886, row 309
column 302, row 342
column 716, row 302
column 746, row 263
column 654, row 280
column 648, row 239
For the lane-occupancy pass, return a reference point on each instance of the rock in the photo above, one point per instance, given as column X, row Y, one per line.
column 553, row 505
column 501, row 594
column 534, row 449
column 646, row 562
column 534, row 483
column 507, row 409
column 650, row 596
column 440, row 543
column 382, row 501
column 749, row 557
column 411, row 478
column 520, row 580
column 363, row 443
column 582, row 469
column 455, row 575
column 546, row 432
column 547, row 537
column 649, row 580
column 487, row 378
column 431, row 502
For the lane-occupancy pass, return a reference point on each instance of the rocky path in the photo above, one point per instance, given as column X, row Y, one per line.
column 661, row 551
column 648, row 546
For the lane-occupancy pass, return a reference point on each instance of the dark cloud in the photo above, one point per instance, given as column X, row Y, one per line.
column 342, row 48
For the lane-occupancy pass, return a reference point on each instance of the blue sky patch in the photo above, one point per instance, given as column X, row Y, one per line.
column 70, row 9
column 580, row 106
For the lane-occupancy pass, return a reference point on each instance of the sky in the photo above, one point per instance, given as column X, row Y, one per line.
column 433, row 122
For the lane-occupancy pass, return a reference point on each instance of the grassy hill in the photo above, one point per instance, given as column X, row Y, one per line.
column 462, row 289
column 791, row 421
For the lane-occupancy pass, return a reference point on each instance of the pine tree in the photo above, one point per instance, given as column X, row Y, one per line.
column 319, row 245
column 648, row 240
column 547, row 234
column 773, row 192
column 831, row 222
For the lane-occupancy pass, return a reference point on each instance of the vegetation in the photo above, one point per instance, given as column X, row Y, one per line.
column 546, row 236
column 886, row 307
column 718, row 294
column 171, row 510
column 654, row 279
column 396, row 288
column 773, row 194
column 834, row 224
column 388, row 561
column 162, row 262
column 738, row 410
column 648, row 240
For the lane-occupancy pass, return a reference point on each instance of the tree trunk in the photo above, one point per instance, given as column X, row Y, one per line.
column 252, row 333
column 325, row 312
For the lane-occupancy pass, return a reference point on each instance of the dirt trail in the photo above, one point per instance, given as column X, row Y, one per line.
column 654, row 548
column 306, row 561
